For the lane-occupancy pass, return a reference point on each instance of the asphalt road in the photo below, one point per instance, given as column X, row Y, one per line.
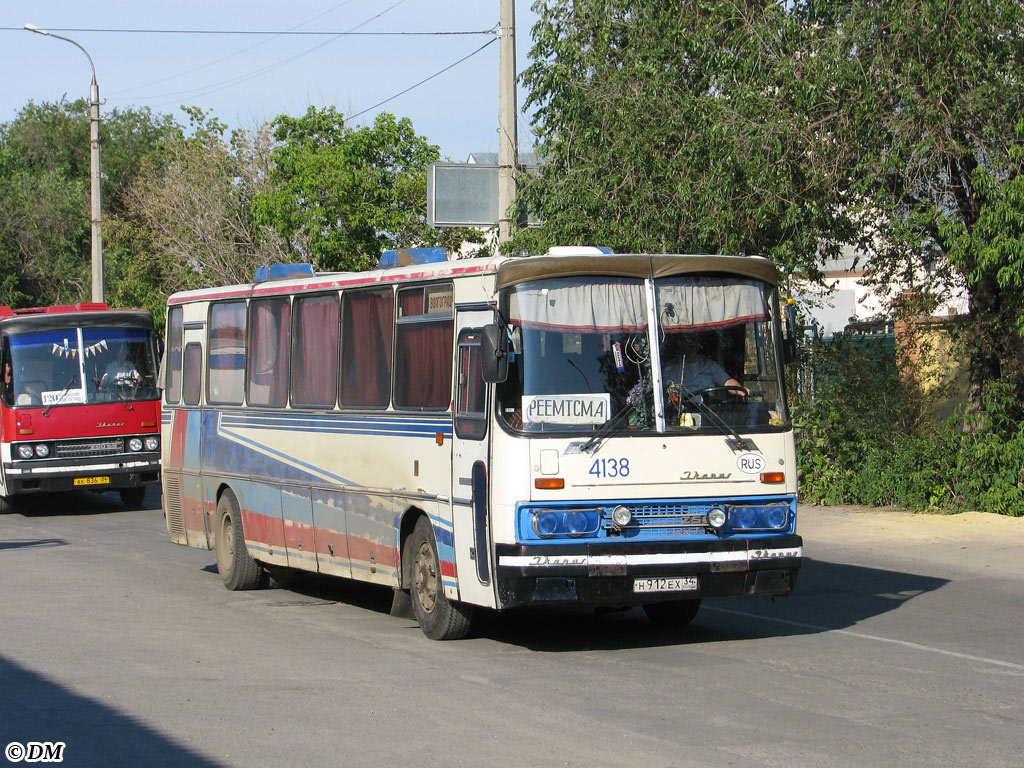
column 902, row 646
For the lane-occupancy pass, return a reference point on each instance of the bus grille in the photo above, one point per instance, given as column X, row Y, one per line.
column 650, row 517
column 85, row 448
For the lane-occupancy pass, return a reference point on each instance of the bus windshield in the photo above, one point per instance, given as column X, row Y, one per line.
column 72, row 366
column 582, row 355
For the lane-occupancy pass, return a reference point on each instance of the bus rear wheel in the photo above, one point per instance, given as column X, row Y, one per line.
column 439, row 618
column 237, row 568
column 672, row 614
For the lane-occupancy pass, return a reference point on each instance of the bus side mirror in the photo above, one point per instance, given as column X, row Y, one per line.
column 494, row 354
column 788, row 350
column 789, row 340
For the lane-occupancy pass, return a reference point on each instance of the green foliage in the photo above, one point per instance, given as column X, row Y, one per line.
column 44, row 193
column 864, row 437
column 340, row 196
column 680, row 127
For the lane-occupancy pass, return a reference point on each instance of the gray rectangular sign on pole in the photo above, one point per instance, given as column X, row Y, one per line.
column 464, row 195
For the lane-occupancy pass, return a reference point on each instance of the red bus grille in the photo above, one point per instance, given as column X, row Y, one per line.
column 84, row 448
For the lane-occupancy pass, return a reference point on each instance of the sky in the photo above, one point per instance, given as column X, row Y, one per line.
column 248, row 79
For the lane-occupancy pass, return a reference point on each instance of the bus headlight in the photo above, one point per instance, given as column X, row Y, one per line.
column 572, row 522
column 152, row 443
column 546, row 523
column 42, row 450
column 758, row 517
column 135, row 444
column 576, row 523
column 622, row 516
column 716, row 518
column 25, row 451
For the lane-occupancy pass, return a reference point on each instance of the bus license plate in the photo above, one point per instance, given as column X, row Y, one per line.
column 668, row 584
column 101, row 480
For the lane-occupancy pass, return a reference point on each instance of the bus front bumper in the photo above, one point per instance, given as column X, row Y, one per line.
column 83, row 474
column 635, row 573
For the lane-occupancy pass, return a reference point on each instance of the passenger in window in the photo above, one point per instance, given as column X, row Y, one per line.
column 690, row 370
column 121, row 372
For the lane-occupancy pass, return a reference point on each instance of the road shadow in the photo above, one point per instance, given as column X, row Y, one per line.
column 829, row 596
column 81, row 503
column 33, row 708
column 31, row 543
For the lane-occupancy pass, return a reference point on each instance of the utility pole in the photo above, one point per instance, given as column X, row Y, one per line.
column 508, row 141
column 95, row 175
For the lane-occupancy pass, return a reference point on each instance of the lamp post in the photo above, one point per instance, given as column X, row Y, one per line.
column 94, row 166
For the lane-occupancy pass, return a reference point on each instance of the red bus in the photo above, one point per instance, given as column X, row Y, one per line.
column 79, row 404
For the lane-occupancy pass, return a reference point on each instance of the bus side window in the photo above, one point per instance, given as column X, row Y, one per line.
column 471, row 393
column 172, row 391
column 193, row 373
column 315, row 351
column 367, row 324
column 225, row 379
column 423, row 347
column 269, row 347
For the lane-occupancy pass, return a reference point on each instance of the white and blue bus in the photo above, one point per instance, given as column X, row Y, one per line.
column 574, row 429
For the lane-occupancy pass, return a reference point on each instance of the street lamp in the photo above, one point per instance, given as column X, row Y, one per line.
column 94, row 166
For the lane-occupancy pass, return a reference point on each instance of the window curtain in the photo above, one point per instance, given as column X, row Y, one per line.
column 366, row 346
column 316, row 359
column 268, row 376
column 424, row 365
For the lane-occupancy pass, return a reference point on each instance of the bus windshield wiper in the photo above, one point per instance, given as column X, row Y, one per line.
column 734, row 440
column 64, row 391
column 606, row 429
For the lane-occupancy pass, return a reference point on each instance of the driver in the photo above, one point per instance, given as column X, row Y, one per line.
column 688, row 368
column 121, row 371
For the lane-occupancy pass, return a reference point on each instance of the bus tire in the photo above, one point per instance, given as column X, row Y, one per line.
column 672, row 614
column 7, row 505
column 439, row 618
column 237, row 568
column 133, row 497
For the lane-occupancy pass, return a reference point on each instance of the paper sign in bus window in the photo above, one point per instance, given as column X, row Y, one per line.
column 567, row 409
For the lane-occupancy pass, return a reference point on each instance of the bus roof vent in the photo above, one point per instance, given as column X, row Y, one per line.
column 282, row 272
column 405, row 257
column 578, row 250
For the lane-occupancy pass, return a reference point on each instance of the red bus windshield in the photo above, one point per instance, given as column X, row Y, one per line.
column 78, row 365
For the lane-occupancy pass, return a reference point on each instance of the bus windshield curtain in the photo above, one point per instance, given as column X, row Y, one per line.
column 366, row 340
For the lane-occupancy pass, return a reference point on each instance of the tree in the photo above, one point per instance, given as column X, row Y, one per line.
column 931, row 93
column 660, row 128
column 340, row 196
column 789, row 129
column 189, row 222
column 44, row 193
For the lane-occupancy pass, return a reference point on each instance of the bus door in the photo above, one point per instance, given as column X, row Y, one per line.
column 187, row 423
column 470, row 460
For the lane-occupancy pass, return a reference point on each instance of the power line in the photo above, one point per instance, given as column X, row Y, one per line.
column 275, row 32
column 228, row 56
column 196, row 93
column 424, row 80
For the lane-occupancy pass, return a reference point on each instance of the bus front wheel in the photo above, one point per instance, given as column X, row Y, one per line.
column 237, row 568
column 439, row 618
column 671, row 614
